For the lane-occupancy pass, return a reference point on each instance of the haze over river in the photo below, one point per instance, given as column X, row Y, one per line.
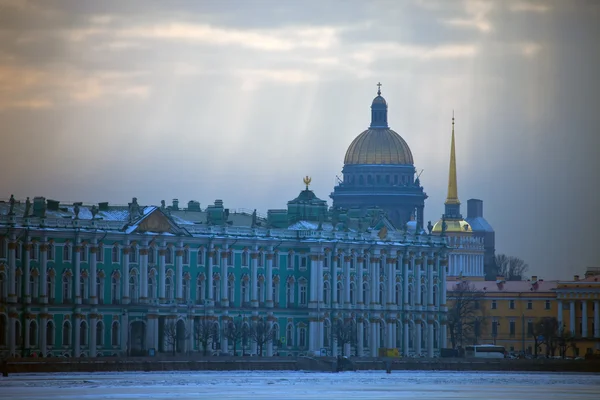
column 301, row 385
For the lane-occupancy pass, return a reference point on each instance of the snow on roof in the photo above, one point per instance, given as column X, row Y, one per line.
column 479, row 224
column 508, row 286
column 310, row 226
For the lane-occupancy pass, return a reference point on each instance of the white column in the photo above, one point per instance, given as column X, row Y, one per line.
column 269, row 325
column 312, row 336
column 333, row 284
column 417, row 339
column 430, row 338
column 190, row 338
column 179, row 275
column 597, row 322
column 27, row 273
column 76, row 276
column 154, row 323
column 42, row 287
column 43, row 333
column 442, row 273
column 443, row 335
column 92, row 330
column 224, row 279
column 417, row 272
column 92, row 278
column 12, row 271
column 359, row 281
column 144, row 274
column 360, row 338
column 559, row 317
column 125, row 333
column 405, row 338
column 320, row 298
column 373, row 339
column 125, row 275
column 405, row 282
column 347, row 281
column 269, row 287
column 430, row 266
column 12, row 331
column 254, row 278
column 389, row 337
column 162, row 275
column 76, row 329
column 314, row 278
column 584, row 326
column 571, row 316
column 391, row 281
column 374, row 273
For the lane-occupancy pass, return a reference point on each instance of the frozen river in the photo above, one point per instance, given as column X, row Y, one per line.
column 299, row 385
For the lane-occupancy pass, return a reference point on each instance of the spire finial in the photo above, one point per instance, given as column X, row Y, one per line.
column 378, row 88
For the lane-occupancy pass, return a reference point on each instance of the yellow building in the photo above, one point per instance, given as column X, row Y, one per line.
column 509, row 310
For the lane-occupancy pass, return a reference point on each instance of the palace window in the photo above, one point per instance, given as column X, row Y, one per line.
column 33, row 334
column 100, row 290
column 3, row 247
column 186, row 256
column 3, row 329
column 423, row 293
column 398, row 294
column 133, row 289
column 99, row 333
column 326, row 293
column 289, row 335
column 151, row 255
column 114, row 290
column 168, row 288
column 114, row 337
column 244, row 259
column 230, row 291
column 302, row 341
column 340, row 293
column 168, row 255
column 83, row 254
column 290, row 261
column 326, row 262
column 50, row 252
column 512, row 328
column 82, row 288
column 115, row 254
column 200, row 257
column 530, row 305
column 185, row 286
column 365, row 289
column 230, row 258
column 83, row 333
column 151, row 288
column 289, row 294
column 511, row 304
column 276, row 260
column 435, row 296
column 50, row 333
column 67, row 253
column 326, row 333
column 3, row 286
column 199, row 291
column 260, row 259
column 547, row 305
column 494, row 305
column 66, row 293
column 100, row 254
column 529, row 328
column 133, row 255
column 245, row 293
column 275, row 293
column 66, row 333
column 303, row 262
column 352, row 293
column 303, row 300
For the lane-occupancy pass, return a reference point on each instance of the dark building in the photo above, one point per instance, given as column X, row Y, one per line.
column 379, row 172
column 481, row 228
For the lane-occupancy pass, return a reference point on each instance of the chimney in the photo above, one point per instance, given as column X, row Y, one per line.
column 474, row 208
column 576, row 278
column 175, row 204
column 499, row 278
column 534, row 278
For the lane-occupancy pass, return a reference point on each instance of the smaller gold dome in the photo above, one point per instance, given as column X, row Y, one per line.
column 453, row 226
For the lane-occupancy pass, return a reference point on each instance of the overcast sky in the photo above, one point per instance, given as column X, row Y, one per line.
column 238, row 100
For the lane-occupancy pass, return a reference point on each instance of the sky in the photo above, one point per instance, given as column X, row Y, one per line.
column 238, row 100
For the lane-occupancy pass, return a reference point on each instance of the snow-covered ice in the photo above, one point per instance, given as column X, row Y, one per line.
column 301, row 385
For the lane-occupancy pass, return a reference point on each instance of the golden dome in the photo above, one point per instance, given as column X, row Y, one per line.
column 378, row 146
column 453, row 226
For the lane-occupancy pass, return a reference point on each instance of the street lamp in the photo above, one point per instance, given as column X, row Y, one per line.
column 495, row 331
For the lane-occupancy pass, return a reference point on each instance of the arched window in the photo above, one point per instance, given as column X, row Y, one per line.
column 100, row 290
column 435, row 296
column 83, row 333
column 168, row 255
column 100, row 254
column 366, row 298
column 186, row 256
column 82, row 288
column 99, row 333
column 361, row 180
column 115, row 254
column 216, row 290
column 18, row 335
column 185, row 284
column 114, row 334
column 32, row 287
column 151, row 255
column 326, row 291
column 200, row 257
column 151, row 288
column 326, row 333
column 133, row 292
column 168, row 288
column 66, row 252
column 199, row 291
column 66, row 333
column 230, row 291
column 289, row 335
column 365, row 334
column 398, row 294
column 275, row 289
column 49, row 288
column 410, row 295
column 423, row 294
column 276, row 337
column 352, row 293
column 3, row 289
column 114, row 290
column 289, row 293
column 381, row 294
column 435, row 336
column 302, row 341
column 33, row 333
column 244, row 259
column 50, row 333
column 66, row 289
column 340, row 293
column 3, row 328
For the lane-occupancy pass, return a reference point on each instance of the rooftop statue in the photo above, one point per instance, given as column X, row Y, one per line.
column 11, row 210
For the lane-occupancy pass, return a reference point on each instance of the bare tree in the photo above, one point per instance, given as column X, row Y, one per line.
column 466, row 317
column 174, row 336
column 511, row 268
column 547, row 331
column 344, row 332
column 204, row 332
column 262, row 333
column 235, row 331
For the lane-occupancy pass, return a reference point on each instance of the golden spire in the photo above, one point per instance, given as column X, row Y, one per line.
column 452, row 185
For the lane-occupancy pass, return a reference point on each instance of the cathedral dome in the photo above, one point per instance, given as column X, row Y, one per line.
column 379, row 146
